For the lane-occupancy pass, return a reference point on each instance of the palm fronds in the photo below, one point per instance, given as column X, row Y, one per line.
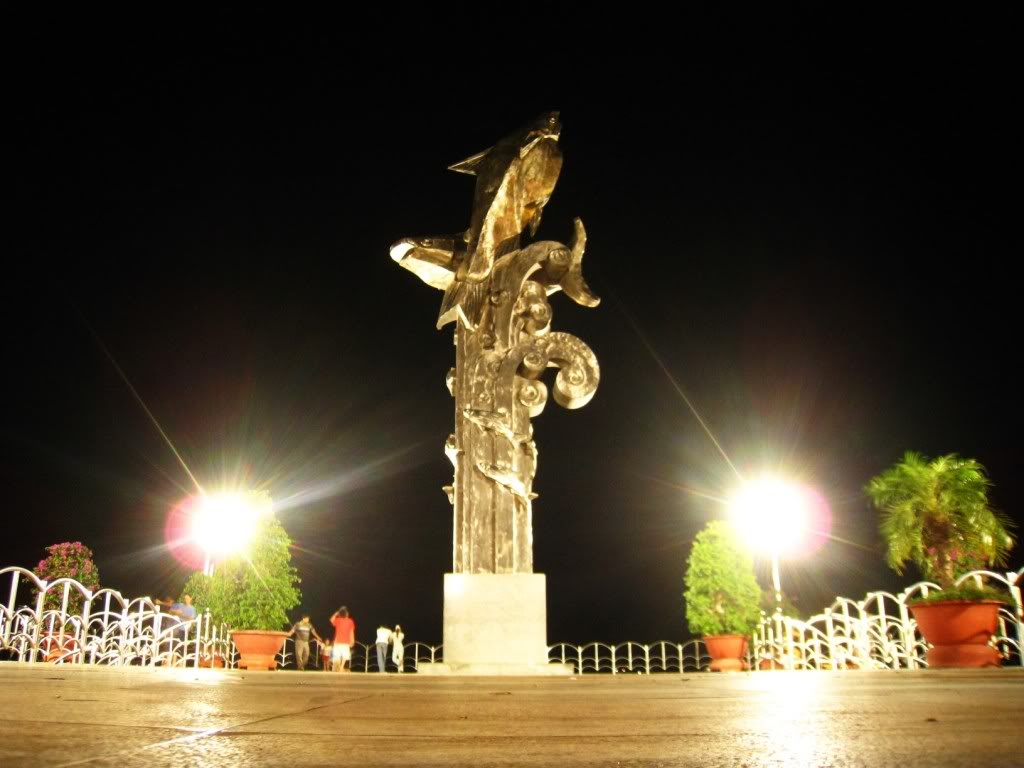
column 936, row 514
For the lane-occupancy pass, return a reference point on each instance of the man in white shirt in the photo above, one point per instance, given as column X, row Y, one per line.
column 383, row 638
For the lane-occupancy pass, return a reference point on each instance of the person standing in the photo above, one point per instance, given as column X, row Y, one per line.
column 397, row 646
column 165, row 638
column 344, row 639
column 184, row 610
column 186, row 614
column 383, row 638
column 301, row 631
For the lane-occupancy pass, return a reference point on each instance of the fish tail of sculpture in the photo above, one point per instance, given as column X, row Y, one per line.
column 576, row 288
column 572, row 283
column 463, row 301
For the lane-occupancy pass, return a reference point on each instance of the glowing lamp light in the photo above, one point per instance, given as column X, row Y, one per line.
column 224, row 523
column 778, row 518
column 771, row 515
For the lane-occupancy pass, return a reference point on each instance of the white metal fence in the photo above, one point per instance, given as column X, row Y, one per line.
column 108, row 629
column 630, row 657
column 364, row 656
column 877, row 632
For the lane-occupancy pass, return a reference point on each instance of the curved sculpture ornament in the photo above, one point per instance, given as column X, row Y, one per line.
column 497, row 293
column 578, row 370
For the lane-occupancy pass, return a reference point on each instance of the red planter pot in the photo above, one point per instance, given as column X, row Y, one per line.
column 959, row 631
column 258, row 648
column 726, row 652
column 211, row 662
column 55, row 646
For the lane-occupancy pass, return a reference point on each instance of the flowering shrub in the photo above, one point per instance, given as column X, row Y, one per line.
column 71, row 560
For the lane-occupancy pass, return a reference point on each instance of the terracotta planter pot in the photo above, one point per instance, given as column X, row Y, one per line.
column 55, row 646
column 726, row 652
column 959, row 631
column 258, row 648
column 211, row 662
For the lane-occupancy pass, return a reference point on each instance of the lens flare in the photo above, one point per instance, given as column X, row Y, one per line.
column 214, row 526
column 224, row 523
column 178, row 534
column 774, row 516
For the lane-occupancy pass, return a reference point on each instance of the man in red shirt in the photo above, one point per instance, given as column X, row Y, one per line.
column 344, row 639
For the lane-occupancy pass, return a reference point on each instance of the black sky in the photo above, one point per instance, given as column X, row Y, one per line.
column 821, row 256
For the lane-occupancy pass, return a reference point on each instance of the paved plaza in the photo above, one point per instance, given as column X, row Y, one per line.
column 67, row 716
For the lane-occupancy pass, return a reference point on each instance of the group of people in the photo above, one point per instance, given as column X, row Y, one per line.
column 183, row 611
column 396, row 637
column 340, row 650
column 182, row 608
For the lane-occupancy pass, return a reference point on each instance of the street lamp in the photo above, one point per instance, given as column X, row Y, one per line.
column 772, row 516
column 223, row 523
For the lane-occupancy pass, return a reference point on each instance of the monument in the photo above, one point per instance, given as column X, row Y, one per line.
column 496, row 292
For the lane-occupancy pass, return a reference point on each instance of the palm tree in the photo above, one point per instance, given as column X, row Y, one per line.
column 936, row 514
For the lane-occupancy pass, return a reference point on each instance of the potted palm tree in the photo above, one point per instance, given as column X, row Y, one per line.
column 252, row 594
column 722, row 595
column 936, row 514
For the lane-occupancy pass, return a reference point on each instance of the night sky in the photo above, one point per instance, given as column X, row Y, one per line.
column 821, row 258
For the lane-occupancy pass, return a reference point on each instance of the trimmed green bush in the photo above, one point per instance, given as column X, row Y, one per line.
column 253, row 592
column 722, row 596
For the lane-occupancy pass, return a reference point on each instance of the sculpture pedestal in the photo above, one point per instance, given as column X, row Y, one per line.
column 495, row 624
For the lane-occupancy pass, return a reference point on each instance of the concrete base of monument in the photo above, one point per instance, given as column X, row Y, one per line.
column 495, row 624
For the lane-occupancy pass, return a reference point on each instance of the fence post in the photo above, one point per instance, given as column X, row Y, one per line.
column 124, row 625
column 83, row 631
column 883, row 630
column 38, row 623
column 198, row 628
column 63, row 619
column 830, row 638
column 157, row 642
column 790, row 653
column 12, row 601
column 1018, row 610
column 907, row 630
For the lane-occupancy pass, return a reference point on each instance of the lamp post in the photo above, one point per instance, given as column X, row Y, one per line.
column 772, row 516
column 776, row 583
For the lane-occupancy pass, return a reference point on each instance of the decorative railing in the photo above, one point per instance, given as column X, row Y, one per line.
column 364, row 656
column 878, row 632
column 108, row 629
column 632, row 657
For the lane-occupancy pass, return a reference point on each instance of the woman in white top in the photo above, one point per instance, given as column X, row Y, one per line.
column 397, row 648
